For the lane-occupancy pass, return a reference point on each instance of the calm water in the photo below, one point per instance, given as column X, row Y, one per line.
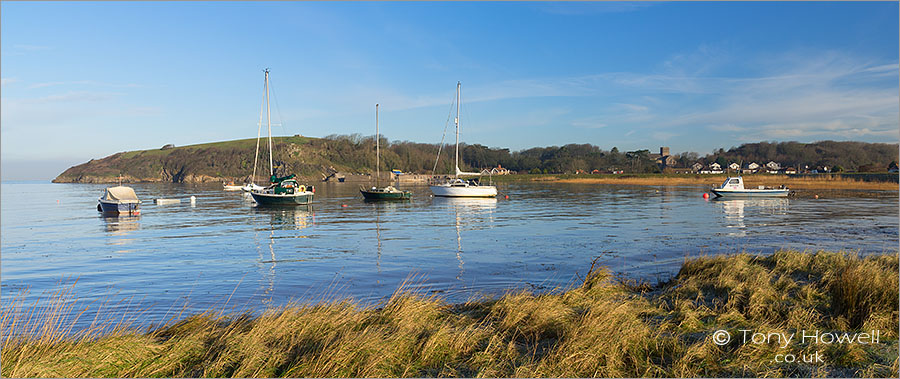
column 226, row 252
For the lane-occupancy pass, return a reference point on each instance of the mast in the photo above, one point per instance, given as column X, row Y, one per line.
column 258, row 133
column 269, row 125
column 456, row 173
column 377, row 151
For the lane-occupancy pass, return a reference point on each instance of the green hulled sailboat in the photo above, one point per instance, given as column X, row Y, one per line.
column 281, row 190
column 375, row 192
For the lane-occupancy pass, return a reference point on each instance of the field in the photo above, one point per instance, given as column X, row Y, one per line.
column 600, row 327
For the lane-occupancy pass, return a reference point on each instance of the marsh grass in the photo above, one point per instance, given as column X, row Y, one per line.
column 603, row 327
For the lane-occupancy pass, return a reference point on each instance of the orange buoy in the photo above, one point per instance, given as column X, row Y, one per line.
column 506, row 197
column 705, row 195
column 343, row 205
column 816, row 196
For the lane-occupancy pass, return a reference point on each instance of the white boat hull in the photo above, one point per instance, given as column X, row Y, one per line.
column 750, row 192
column 231, row 188
column 464, row 191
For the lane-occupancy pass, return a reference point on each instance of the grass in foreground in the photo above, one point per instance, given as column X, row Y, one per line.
column 603, row 328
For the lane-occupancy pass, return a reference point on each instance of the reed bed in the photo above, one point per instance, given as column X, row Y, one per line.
column 602, row 327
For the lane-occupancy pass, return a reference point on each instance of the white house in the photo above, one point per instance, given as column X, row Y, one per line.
column 697, row 167
column 772, row 166
column 734, row 167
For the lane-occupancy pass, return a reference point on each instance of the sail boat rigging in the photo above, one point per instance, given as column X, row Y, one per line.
column 457, row 187
column 282, row 190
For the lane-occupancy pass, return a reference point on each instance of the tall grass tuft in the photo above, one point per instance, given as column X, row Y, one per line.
column 604, row 327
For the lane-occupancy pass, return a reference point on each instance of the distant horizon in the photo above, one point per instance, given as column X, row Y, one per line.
column 693, row 76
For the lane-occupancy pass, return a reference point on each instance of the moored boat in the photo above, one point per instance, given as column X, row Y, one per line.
column 457, row 187
column 376, row 193
column 230, row 186
column 734, row 187
column 119, row 200
column 385, row 193
column 282, row 190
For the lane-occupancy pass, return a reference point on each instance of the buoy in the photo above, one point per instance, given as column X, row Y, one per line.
column 343, row 205
column 193, row 200
column 705, row 195
column 816, row 196
column 506, row 197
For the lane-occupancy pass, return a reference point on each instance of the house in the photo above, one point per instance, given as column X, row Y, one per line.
column 499, row 170
column 751, row 168
column 734, row 167
column 790, row 170
column 773, row 167
column 714, row 168
column 696, row 167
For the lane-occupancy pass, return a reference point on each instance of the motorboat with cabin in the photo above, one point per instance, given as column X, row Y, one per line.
column 119, row 200
column 734, row 187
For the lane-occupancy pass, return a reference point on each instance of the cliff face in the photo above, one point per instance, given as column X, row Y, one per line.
column 213, row 162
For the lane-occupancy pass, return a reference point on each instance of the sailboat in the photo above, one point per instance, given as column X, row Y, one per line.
column 376, row 192
column 457, row 187
column 282, row 190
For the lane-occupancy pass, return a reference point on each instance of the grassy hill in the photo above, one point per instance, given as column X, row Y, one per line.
column 233, row 160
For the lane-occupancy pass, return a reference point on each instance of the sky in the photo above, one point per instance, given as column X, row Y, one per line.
column 83, row 80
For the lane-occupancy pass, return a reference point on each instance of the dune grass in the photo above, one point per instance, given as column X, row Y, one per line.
column 603, row 327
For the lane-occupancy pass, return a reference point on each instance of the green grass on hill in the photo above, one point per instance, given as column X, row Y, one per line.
column 603, row 327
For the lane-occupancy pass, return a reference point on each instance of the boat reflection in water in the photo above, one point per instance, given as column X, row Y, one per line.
column 736, row 210
column 118, row 228
column 281, row 219
column 469, row 214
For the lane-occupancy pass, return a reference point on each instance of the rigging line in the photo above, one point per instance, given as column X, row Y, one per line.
column 444, row 134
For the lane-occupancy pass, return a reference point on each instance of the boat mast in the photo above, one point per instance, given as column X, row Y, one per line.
column 456, row 173
column 258, row 133
column 269, row 124
column 377, row 151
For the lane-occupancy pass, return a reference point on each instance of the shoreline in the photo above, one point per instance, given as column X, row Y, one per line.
column 847, row 182
column 604, row 327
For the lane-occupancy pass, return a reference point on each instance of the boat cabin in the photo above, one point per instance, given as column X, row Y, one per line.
column 733, row 183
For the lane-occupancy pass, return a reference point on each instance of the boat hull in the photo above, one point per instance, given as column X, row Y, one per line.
column 231, row 188
column 380, row 195
column 115, row 208
column 751, row 193
column 302, row 198
column 460, row 191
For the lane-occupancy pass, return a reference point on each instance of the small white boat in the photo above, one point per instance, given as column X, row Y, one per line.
column 119, row 200
column 734, row 187
column 231, row 187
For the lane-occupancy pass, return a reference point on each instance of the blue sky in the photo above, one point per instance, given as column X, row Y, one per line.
column 83, row 80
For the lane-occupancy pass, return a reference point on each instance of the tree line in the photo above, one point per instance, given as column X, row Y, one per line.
column 420, row 157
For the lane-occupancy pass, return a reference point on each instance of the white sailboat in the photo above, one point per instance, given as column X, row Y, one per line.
column 456, row 187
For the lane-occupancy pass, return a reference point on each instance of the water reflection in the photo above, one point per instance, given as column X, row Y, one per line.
column 280, row 219
column 118, row 227
column 468, row 212
column 734, row 211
